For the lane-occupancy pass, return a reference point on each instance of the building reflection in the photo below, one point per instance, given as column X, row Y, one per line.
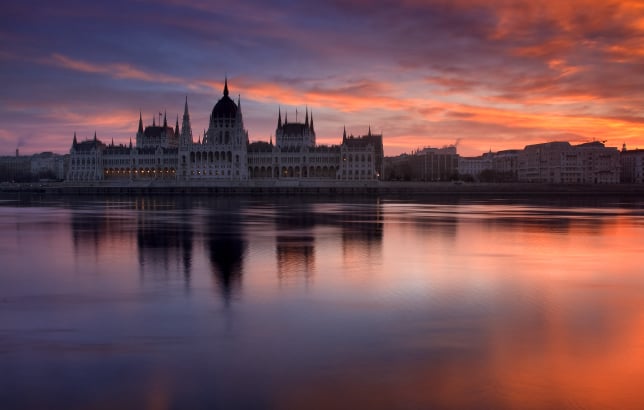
column 301, row 230
column 92, row 228
column 362, row 229
column 165, row 244
column 225, row 246
column 166, row 233
column 295, row 257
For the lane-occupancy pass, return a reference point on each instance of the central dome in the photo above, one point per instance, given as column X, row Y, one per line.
column 225, row 107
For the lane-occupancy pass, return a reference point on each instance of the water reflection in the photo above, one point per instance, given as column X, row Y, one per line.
column 326, row 304
column 226, row 245
column 164, row 247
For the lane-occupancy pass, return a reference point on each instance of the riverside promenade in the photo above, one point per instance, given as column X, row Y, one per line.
column 344, row 188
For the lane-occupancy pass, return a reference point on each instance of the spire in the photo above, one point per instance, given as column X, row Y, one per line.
column 306, row 120
column 285, row 117
column 140, row 123
column 312, row 129
column 186, row 129
column 226, row 87
column 369, row 134
column 271, row 140
column 165, row 121
column 94, row 135
column 153, row 121
column 130, row 142
column 75, row 142
column 239, row 110
column 279, row 117
column 112, row 141
column 344, row 134
column 176, row 127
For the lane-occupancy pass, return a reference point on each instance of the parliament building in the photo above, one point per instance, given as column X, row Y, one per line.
column 165, row 154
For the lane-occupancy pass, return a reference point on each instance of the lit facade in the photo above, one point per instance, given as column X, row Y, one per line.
column 225, row 153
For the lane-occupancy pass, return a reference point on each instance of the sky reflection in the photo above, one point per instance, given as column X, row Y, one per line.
column 158, row 303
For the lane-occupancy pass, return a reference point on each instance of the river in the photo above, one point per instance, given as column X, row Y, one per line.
column 291, row 303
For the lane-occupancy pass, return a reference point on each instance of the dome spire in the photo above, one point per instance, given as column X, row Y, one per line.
column 226, row 86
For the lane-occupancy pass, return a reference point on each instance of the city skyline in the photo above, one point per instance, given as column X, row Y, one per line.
column 486, row 75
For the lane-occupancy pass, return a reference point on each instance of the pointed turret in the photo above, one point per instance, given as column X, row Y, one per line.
column 312, row 129
column 130, row 142
column 74, row 142
column 226, row 87
column 165, row 120
column 286, row 118
column 186, row 128
column 112, row 141
column 94, row 135
column 140, row 131
column 279, row 117
column 344, row 135
column 176, row 127
column 306, row 117
column 369, row 134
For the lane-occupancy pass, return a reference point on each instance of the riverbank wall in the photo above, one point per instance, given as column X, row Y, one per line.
column 326, row 188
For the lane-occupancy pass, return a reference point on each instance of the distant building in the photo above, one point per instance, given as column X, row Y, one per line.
column 506, row 164
column 15, row 168
column 490, row 167
column 48, row 165
column 474, row 166
column 225, row 153
column 435, row 164
column 560, row 162
column 632, row 166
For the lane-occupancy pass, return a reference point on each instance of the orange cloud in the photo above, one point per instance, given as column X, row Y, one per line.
column 115, row 70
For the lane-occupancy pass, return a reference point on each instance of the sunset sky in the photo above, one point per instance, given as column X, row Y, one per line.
column 486, row 74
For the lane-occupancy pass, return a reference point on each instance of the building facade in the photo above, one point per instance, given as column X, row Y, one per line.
column 632, row 166
column 225, row 153
column 562, row 163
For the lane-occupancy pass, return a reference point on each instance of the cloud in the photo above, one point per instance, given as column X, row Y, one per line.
column 425, row 71
column 115, row 70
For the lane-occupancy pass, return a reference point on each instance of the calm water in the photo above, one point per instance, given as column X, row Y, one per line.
column 156, row 303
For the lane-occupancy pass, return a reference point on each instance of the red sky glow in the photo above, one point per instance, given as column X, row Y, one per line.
column 486, row 74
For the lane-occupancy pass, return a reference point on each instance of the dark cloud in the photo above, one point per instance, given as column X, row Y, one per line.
column 424, row 70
